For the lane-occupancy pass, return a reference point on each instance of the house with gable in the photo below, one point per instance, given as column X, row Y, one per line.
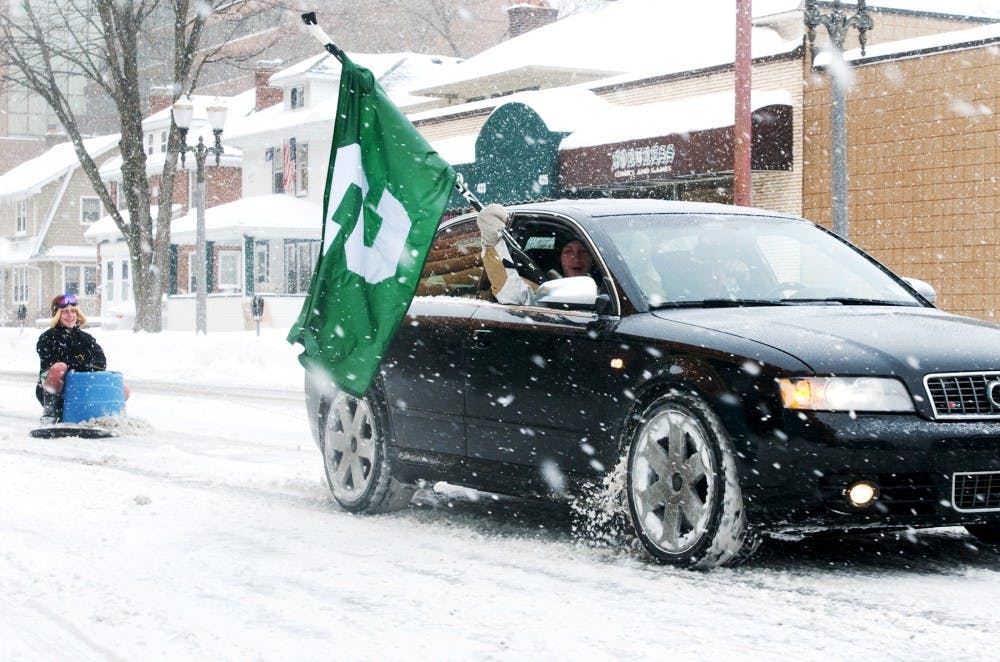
column 46, row 205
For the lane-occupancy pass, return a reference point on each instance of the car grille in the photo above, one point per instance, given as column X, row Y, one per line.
column 965, row 394
column 978, row 491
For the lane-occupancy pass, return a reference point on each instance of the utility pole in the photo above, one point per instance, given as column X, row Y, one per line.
column 743, row 124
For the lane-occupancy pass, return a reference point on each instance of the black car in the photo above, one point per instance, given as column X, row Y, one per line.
column 737, row 372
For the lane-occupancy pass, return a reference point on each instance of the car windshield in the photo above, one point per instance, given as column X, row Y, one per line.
column 723, row 260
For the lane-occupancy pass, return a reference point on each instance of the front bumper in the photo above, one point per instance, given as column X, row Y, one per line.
column 927, row 473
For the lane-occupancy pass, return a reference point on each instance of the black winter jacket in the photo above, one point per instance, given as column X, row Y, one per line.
column 74, row 347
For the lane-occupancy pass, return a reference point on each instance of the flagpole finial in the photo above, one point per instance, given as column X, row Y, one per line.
column 309, row 18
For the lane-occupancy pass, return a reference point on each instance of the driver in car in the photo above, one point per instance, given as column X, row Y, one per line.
column 507, row 285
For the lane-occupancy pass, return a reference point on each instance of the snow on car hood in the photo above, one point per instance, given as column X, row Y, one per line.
column 859, row 339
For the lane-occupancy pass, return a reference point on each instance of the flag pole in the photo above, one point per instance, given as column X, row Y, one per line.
column 309, row 18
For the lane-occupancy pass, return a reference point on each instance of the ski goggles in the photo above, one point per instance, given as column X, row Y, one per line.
column 64, row 301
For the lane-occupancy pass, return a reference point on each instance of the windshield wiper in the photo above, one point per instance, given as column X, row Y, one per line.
column 852, row 301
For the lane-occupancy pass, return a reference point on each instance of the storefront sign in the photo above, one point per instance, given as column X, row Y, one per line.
column 651, row 159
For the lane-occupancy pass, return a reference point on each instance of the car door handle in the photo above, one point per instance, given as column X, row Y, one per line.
column 481, row 338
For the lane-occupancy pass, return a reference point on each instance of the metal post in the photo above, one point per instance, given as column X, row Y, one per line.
column 201, row 152
column 743, row 125
column 838, row 24
column 201, row 257
column 838, row 148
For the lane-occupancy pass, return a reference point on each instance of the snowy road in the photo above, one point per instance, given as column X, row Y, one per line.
column 207, row 533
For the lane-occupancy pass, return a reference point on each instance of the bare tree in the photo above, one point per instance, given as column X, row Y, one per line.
column 50, row 48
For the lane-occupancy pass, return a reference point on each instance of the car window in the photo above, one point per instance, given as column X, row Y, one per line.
column 454, row 265
column 543, row 239
column 677, row 259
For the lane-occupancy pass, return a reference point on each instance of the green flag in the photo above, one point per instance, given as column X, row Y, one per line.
column 386, row 190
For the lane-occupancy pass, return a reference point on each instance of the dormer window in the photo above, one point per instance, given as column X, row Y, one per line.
column 297, row 97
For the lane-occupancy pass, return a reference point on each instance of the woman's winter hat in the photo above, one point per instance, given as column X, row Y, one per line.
column 63, row 301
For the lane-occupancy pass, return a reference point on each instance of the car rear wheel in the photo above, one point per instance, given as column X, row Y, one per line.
column 358, row 470
column 682, row 486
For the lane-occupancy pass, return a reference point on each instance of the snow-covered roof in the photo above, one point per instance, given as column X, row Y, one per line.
column 29, row 177
column 397, row 73
column 325, row 65
column 971, row 8
column 15, row 251
column 920, row 45
column 272, row 216
column 623, row 36
column 105, row 228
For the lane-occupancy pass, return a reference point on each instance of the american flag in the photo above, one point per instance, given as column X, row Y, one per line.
column 288, row 167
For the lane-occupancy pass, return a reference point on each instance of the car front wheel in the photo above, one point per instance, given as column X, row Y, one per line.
column 354, row 455
column 683, row 491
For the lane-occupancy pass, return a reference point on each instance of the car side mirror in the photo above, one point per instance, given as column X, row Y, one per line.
column 573, row 292
column 923, row 288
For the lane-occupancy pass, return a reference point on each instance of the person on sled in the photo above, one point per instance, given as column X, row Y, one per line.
column 64, row 346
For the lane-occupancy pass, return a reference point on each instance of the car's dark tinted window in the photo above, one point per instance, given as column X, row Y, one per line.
column 454, row 266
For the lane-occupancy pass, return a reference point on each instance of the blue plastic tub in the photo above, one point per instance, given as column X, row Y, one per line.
column 90, row 395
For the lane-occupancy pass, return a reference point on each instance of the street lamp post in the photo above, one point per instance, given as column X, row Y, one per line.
column 838, row 24
column 183, row 111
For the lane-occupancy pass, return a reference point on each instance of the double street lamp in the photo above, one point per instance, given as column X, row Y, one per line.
column 838, row 24
column 183, row 111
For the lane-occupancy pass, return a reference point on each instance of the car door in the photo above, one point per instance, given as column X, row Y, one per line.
column 539, row 382
column 424, row 370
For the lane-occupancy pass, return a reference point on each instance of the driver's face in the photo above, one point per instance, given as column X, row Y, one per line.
column 575, row 259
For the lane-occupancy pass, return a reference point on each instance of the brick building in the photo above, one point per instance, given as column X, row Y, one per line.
column 923, row 161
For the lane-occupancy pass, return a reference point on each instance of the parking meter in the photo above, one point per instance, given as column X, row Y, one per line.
column 257, row 309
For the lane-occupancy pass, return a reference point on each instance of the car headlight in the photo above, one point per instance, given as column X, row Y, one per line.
column 845, row 394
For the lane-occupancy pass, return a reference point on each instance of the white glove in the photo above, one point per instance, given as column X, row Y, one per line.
column 491, row 221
